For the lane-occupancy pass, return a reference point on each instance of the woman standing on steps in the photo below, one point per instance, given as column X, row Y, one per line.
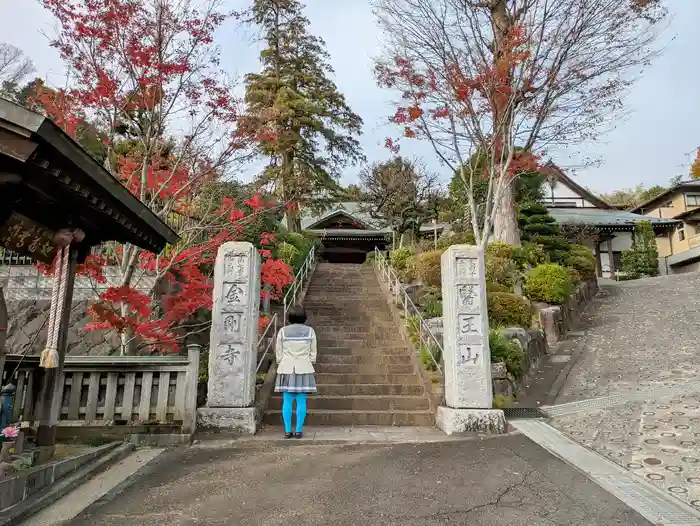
column 295, row 351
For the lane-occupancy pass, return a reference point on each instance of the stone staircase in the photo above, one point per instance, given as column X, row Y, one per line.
column 364, row 371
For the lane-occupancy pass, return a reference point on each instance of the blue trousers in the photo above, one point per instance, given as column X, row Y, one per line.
column 287, row 403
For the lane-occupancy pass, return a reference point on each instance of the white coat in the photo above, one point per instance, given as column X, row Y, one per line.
column 295, row 349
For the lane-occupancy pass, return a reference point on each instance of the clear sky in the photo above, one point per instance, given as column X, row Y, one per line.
column 654, row 143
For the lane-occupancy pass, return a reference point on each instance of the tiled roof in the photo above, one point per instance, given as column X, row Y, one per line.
column 609, row 218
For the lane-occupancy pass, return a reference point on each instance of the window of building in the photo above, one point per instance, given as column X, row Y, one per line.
column 668, row 204
column 681, row 234
column 692, row 200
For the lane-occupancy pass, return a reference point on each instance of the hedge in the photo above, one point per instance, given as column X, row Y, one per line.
column 508, row 310
column 550, row 283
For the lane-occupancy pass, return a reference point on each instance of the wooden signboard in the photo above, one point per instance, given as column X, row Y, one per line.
column 26, row 237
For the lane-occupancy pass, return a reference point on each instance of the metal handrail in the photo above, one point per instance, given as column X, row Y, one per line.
column 427, row 340
column 270, row 340
column 298, row 281
column 287, row 302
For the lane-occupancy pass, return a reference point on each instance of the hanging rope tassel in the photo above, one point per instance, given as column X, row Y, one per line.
column 49, row 356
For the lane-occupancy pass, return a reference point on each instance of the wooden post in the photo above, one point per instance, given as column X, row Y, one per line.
column 611, row 259
column 51, row 395
column 189, row 421
column 598, row 263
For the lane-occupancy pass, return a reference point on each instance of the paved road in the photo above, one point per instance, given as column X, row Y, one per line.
column 641, row 334
column 641, row 350
column 498, row 481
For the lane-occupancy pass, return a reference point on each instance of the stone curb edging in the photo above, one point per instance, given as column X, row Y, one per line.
column 63, row 486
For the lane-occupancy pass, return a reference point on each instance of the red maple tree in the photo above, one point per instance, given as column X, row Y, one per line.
column 486, row 79
column 474, row 108
column 145, row 76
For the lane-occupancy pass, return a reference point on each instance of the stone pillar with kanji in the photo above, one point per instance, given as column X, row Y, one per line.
column 467, row 359
column 233, row 340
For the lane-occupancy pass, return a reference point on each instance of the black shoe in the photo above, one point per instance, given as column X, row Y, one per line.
column 299, row 435
column 288, row 435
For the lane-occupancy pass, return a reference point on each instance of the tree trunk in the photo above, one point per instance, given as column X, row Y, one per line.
column 293, row 221
column 505, row 225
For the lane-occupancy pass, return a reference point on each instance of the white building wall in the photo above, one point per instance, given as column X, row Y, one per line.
column 560, row 194
column 621, row 241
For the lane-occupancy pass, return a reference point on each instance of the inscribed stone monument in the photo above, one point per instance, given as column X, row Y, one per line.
column 233, row 339
column 467, row 359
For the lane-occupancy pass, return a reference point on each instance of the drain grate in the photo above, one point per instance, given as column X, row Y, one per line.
column 518, row 413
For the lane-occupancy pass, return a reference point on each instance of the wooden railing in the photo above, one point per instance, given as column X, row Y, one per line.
column 117, row 390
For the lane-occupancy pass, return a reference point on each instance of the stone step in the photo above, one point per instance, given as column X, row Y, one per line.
column 353, row 368
column 359, row 418
column 369, row 359
column 366, row 378
column 370, row 390
column 360, row 403
column 393, row 350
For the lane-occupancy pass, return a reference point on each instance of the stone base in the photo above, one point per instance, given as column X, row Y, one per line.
column 451, row 420
column 241, row 420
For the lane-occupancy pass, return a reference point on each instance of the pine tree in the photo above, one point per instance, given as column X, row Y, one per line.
column 313, row 131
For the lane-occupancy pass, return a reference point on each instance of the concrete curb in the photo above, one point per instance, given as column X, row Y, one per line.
column 62, row 487
column 558, row 384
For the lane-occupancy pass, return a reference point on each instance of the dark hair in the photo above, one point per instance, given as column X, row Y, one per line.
column 296, row 314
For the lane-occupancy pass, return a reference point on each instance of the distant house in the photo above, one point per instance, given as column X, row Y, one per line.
column 570, row 203
column 349, row 233
column 679, row 247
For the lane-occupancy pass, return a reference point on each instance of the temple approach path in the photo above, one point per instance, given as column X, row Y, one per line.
column 633, row 394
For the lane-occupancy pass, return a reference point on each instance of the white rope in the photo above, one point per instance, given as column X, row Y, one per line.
column 49, row 356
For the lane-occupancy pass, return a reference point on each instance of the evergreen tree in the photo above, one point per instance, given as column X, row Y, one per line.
column 312, row 130
column 540, row 228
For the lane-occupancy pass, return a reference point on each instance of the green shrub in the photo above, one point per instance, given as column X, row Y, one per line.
column 429, row 354
column 502, row 271
column 500, row 250
column 642, row 260
column 540, row 228
column 431, row 303
column 455, row 238
column 496, row 287
column 399, row 258
column 584, row 266
column 530, row 255
column 298, row 240
column 581, row 259
column 428, row 268
column 425, row 349
column 508, row 310
column 501, row 402
column 550, row 283
column 369, row 259
column 288, row 253
column 507, row 351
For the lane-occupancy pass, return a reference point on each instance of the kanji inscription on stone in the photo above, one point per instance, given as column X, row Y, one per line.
column 229, row 353
column 233, row 335
column 468, row 297
column 468, row 354
column 234, row 327
column 234, row 295
column 466, row 268
column 235, row 266
column 468, row 324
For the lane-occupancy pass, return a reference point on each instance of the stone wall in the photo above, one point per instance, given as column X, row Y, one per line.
column 534, row 346
column 557, row 320
column 25, row 282
column 28, row 327
column 28, row 295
